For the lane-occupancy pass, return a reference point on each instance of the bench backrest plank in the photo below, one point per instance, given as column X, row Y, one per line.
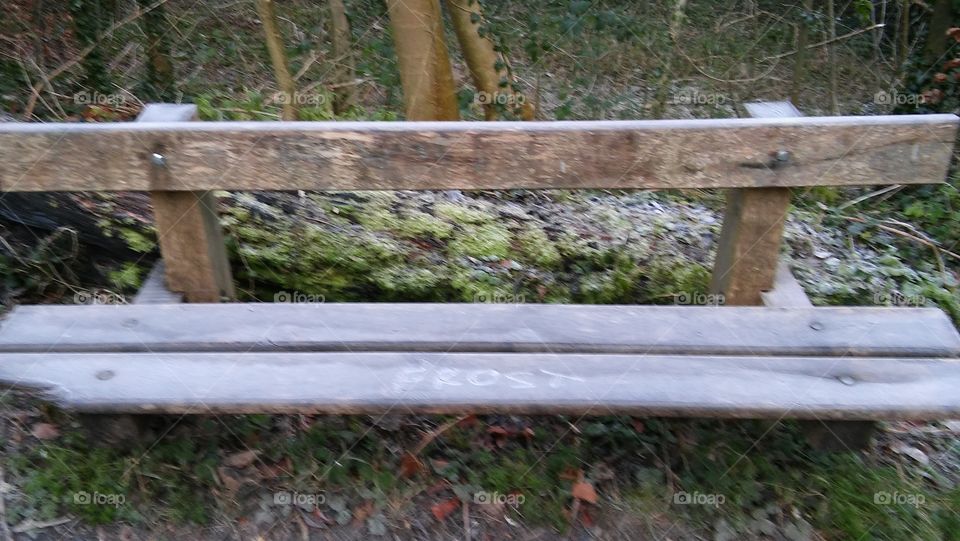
column 661, row 154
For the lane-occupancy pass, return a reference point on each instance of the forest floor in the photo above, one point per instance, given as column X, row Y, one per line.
column 482, row 477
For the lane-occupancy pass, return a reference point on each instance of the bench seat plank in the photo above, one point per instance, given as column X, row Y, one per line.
column 861, row 331
column 380, row 382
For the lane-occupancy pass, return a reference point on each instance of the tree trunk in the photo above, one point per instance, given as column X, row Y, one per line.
column 488, row 68
column 936, row 44
column 278, row 58
column 160, row 80
column 903, row 36
column 88, row 19
column 345, row 89
column 428, row 89
column 800, row 59
column 663, row 84
column 832, row 58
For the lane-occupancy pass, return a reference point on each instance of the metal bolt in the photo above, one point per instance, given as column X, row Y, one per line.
column 158, row 159
column 782, row 156
column 817, row 326
column 104, row 375
column 847, row 380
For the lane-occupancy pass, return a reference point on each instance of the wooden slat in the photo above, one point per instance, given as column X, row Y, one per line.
column 725, row 386
column 723, row 153
column 863, row 331
column 188, row 228
column 786, row 292
column 746, row 262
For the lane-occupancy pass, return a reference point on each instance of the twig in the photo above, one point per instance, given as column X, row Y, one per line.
column 466, row 520
column 863, row 198
column 434, row 434
column 4, row 527
column 35, row 90
column 937, row 250
column 30, row 524
column 825, row 42
column 574, row 515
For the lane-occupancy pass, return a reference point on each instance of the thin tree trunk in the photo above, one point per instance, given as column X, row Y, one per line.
column 88, row 21
column 278, row 58
column 345, row 91
column 903, row 36
column 936, row 44
column 425, row 73
column 663, row 84
column 800, row 61
column 832, row 58
column 160, row 80
column 488, row 68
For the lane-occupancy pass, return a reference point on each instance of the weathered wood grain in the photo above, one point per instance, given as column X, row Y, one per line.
column 188, row 227
column 723, row 153
column 749, row 246
column 862, row 331
column 723, row 386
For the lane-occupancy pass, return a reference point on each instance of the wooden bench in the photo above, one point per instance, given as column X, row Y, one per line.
column 768, row 353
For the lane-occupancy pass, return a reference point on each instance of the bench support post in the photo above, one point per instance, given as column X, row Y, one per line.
column 746, row 262
column 188, row 229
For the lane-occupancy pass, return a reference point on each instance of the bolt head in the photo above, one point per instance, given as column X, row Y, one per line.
column 158, row 159
column 782, row 155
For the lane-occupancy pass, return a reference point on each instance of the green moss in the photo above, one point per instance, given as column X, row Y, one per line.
column 611, row 286
column 667, row 280
column 480, row 241
column 137, row 241
column 407, row 283
column 128, row 277
column 535, row 247
column 421, row 224
column 460, row 214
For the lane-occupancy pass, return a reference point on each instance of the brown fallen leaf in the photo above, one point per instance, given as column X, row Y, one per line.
column 582, row 490
column 443, row 509
column 410, row 465
column 45, row 431
column 363, row 511
column 241, row 459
